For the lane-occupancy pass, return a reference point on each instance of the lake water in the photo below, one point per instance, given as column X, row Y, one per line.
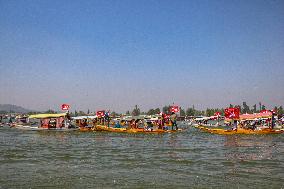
column 190, row 159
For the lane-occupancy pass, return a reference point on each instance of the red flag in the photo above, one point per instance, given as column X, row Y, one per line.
column 100, row 113
column 65, row 107
column 166, row 116
column 232, row 113
column 217, row 113
column 174, row 109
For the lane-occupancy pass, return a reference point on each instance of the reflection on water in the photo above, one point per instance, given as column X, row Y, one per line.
column 119, row 160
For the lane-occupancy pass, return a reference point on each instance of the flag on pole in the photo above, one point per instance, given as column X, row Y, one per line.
column 100, row 113
column 232, row 113
column 174, row 109
column 217, row 114
column 65, row 106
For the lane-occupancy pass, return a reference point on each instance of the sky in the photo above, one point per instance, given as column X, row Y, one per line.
column 112, row 54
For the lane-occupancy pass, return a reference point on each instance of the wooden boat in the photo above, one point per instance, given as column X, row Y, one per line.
column 138, row 130
column 239, row 131
column 156, row 131
column 86, row 129
column 85, row 123
column 33, row 128
column 47, row 122
column 110, row 129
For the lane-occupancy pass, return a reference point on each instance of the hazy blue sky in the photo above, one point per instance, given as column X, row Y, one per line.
column 115, row 54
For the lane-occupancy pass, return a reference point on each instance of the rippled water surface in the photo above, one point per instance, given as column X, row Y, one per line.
column 191, row 159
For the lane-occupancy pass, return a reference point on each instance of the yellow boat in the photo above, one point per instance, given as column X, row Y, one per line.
column 86, row 129
column 156, row 131
column 110, row 129
column 139, row 130
column 45, row 116
column 239, row 131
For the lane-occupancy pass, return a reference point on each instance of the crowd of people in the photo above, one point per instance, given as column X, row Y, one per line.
column 164, row 122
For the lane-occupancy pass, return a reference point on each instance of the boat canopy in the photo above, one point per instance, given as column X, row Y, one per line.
column 255, row 116
column 42, row 116
column 207, row 118
column 84, row 117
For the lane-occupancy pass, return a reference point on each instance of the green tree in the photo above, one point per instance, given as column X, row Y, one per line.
column 182, row 112
column 143, row 113
column 254, row 108
column 136, row 111
column 280, row 110
column 222, row 111
column 157, row 111
column 50, row 112
column 113, row 114
column 71, row 114
column 166, row 109
column 76, row 113
column 81, row 113
column 151, row 112
column 210, row 112
column 263, row 107
column 29, row 113
column 245, row 108
column 190, row 112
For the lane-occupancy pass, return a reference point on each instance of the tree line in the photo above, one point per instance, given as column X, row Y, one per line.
column 191, row 111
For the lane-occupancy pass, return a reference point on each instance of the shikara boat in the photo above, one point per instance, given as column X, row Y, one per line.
column 85, row 123
column 137, row 130
column 110, row 129
column 240, row 131
column 51, row 122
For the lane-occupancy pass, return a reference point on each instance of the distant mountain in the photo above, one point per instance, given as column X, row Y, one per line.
column 13, row 108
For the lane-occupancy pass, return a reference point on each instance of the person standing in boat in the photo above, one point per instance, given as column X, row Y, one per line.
column 161, row 122
column 10, row 119
column 173, row 119
column 107, row 118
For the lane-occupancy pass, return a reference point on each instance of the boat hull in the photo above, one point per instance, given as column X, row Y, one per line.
column 239, row 131
column 32, row 128
column 124, row 130
column 86, row 129
column 110, row 129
